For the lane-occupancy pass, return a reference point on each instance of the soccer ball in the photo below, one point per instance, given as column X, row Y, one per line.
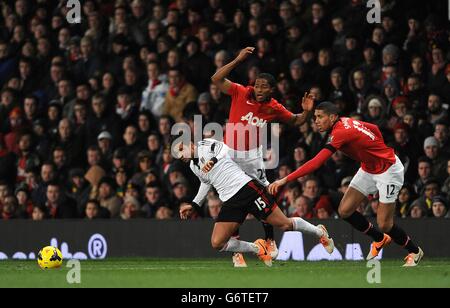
column 49, row 257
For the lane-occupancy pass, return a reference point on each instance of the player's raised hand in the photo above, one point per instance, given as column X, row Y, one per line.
column 185, row 211
column 244, row 53
column 308, row 101
column 208, row 166
column 275, row 186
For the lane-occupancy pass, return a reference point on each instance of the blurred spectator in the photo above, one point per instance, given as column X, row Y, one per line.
column 180, row 93
column 130, row 208
column 214, row 205
column 110, row 204
column 440, row 207
column 59, row 205
column 122, row 78
column 164, row 213
column 92, row 209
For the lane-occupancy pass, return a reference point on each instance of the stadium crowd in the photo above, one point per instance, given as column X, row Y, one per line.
column 86, row 109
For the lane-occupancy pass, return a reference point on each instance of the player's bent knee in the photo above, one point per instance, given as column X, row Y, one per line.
column 217, row 244
column 344, row 213
column 385, row 226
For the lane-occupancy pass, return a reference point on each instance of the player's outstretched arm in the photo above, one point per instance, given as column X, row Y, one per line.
column 219, row 78
column 307, row 168
column 307, row 106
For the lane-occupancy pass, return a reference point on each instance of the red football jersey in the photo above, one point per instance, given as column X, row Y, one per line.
column 247, row 117
column 362, row 142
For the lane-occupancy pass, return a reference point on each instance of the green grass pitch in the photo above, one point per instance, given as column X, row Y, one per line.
column 218, row 273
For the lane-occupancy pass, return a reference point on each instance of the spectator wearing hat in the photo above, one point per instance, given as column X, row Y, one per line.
column 374, row 110
column 104, row 143
column 323, row 209
column 154, row 94
column 78, row 188
column 398, row 109
column 144, row 163
column 440, row 206
column 109, row 202
column 439, row 162
column 15, row 125
column 130, row 208
column 180, row 94
column 133, row 190
column 24, row 203
column 417, row 210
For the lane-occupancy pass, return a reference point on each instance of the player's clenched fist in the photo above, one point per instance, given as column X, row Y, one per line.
column 185, row 211
column 244, row 53
column 275, row 186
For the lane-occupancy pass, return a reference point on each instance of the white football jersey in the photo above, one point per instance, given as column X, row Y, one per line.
column 226, row 176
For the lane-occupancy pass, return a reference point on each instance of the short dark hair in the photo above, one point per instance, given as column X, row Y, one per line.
column 269, row 78
column 328, row 107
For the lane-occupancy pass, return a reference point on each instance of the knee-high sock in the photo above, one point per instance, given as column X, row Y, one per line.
column 234, row 245
column 360, row 223
column 399, row 236
column 302, row 225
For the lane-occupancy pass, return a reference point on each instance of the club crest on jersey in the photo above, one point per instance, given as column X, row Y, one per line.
column 255, row 121
column 330, row 139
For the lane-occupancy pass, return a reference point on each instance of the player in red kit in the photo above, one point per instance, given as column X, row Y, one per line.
column 252, row 107
column 381, row 171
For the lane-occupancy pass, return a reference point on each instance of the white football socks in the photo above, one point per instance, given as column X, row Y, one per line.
column 302, row 225
column 234, row 245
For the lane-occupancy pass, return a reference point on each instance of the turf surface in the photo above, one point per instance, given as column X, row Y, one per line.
column 220, row 273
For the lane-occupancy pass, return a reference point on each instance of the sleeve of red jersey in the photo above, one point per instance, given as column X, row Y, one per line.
column 234, row 91
column 283, row 115
column 311, row 165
